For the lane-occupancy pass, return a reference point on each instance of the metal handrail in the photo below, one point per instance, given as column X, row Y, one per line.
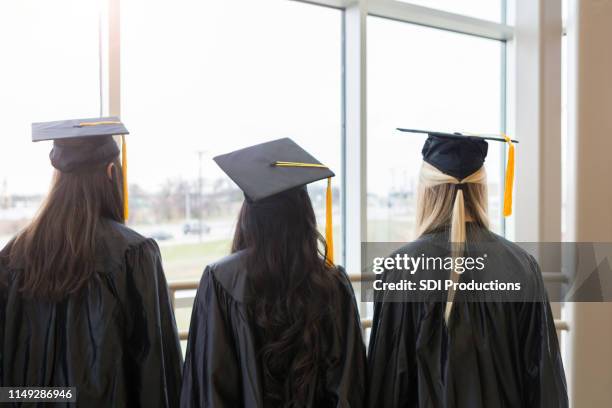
column 183, row 285
column 560, row 325
column 191, row 284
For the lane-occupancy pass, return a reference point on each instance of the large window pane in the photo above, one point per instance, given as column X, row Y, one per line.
column 425, row 78
column 200, row 78
column 49, row 71
column 484, row 9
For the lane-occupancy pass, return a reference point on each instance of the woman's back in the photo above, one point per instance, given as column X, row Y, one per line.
column 490, row 351
column 225, row 343
column 114, row 340
column 484, row 337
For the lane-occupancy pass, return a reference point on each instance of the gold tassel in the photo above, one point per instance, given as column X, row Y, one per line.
column 125, row 179
column 100, row 123
column 509, row 178
column 297, row 164
column 329, row 225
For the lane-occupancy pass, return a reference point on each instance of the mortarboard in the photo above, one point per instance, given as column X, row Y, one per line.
column 270, row 168
column 79, row 144
column 460, row 155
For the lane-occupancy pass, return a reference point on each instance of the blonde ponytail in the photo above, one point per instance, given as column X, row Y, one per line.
column 457, row 239
column 442, row 201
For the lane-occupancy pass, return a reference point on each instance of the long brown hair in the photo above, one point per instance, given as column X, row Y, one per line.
column 55, row 253
column 295, row 295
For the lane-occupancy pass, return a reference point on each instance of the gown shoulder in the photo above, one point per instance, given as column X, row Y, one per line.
column 121, row 236
column 230, row 273
column 503, row 256
column 120, row 248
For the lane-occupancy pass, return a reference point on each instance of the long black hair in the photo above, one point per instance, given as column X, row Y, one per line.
column 57, row 249
column 295, row 294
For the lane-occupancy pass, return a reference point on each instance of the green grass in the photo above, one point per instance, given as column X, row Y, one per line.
column 187, row 261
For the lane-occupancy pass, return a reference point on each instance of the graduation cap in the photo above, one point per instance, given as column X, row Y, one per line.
column 266, row 169
column 460, row 155
column 80, row 144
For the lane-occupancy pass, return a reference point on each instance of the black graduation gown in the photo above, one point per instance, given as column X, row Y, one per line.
column 493, row 354
column 221, row 365
column 116, row 342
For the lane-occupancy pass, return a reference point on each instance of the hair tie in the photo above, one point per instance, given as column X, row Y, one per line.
column 461, row 186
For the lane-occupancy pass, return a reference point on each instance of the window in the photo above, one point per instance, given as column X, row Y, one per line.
column 50, row 71
column 204, row 78
column 425, row 78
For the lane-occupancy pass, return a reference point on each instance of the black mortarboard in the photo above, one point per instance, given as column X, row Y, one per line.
column 460, row 155
column 266, row 169
column 79, row 144
column 459, row 135
column 259, row 170
column 456, row 156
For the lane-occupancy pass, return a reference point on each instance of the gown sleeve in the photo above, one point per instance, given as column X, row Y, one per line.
column 347, row 382
column 544, row 377
column 154, row 353
column 211, row 369
column 391, row 362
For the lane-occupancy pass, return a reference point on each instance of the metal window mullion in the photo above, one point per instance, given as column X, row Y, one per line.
column 430, row 17
column 110, row 55
column 337, row 4
column 354, row 136
column 504, row 127
column 537, row 87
